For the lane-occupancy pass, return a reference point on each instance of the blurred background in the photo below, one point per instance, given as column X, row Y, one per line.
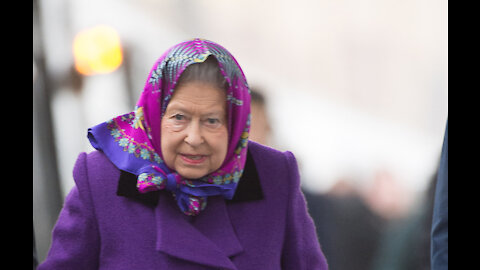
column 357, row 90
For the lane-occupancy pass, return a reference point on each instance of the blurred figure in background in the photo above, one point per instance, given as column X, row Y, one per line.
column 406, row 242
column 260, row 129
column 386, row 196
column 349, row 231
column 409, row 243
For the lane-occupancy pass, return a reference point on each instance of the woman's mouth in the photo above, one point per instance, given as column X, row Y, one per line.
column 193, row 159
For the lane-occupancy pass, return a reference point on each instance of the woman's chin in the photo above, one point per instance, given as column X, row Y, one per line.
column 192, row 173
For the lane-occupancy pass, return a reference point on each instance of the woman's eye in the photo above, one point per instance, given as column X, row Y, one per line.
column 212, row 121
column 179, row 117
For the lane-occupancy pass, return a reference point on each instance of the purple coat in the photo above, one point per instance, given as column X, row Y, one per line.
column 106, row 224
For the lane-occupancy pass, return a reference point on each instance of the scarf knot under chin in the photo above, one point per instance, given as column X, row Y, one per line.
column 152, row 178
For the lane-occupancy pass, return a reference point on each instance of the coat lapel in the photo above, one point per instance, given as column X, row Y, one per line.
column 207, row 239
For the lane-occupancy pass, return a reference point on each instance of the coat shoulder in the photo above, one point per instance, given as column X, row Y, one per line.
column 270, row 157
column 275, row 167
column 263, row 151
column 95, row 173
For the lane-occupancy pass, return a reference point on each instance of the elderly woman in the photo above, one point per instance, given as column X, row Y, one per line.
column 176, row 184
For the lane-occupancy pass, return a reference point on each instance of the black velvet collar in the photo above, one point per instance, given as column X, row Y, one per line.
column 248, row 189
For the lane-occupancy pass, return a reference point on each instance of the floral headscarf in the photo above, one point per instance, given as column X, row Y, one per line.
column 132, row 141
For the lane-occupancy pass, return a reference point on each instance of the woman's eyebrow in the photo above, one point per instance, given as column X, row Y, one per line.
column 214, row 113
column 177, row 106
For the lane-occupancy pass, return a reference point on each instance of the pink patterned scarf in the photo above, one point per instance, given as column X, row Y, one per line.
column 132, row 141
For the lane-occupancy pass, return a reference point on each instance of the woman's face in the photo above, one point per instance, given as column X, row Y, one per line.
column 194, row 133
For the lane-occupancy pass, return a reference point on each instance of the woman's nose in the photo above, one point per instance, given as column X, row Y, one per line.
column 194, row 135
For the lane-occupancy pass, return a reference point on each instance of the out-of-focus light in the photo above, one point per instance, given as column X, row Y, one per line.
column 97, row 50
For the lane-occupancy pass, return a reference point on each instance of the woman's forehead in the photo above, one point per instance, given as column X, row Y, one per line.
column 198, row 94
